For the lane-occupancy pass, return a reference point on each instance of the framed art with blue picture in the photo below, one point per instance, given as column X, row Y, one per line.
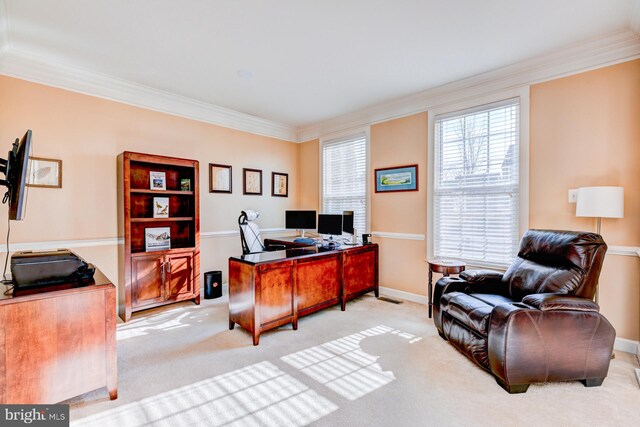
column 398, row 178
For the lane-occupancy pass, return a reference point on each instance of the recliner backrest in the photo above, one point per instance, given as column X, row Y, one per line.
column 556, row 261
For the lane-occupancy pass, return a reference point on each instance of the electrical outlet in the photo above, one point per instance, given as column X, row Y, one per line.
column 573, row 196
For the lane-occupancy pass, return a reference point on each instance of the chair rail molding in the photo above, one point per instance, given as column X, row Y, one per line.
column 112, row 241
column 401, row 236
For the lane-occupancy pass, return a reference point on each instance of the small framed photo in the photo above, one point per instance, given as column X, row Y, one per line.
column 157, row 239
column 399, row 178
column 252, row 182
column 220, row 178
column 185, row 184
column 157, row 180
column 161, row 207
column 46, row 173
column 279, row 184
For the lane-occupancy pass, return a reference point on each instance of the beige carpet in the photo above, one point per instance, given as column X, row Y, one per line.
column 377, row 364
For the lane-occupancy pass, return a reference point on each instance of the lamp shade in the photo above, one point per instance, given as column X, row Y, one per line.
column 602, row 202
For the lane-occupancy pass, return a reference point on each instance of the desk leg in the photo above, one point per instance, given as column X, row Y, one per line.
column 430, row 291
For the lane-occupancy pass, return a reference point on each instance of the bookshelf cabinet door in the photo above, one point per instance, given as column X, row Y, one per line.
column 147, row 280
column 180, row 276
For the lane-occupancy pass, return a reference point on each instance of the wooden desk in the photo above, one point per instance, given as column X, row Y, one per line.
column 445, row 268
column 270, row 289
column 58, row 342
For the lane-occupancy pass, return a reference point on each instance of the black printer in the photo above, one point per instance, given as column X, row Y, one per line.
column 33, row 269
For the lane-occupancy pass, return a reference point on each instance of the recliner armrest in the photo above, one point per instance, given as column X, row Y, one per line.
column 472, row 276
column 550, row 302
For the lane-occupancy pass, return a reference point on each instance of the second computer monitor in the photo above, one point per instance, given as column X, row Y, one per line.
column 347, row 222
column 330, row 224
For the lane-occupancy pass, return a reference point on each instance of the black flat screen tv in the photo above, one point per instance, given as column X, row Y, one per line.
column 15, row 169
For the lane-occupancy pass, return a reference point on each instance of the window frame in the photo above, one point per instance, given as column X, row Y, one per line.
column 327, row 139
column 523, row 94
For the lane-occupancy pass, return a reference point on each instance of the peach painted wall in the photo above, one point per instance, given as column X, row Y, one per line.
column 87, row 133
column 401, row 142
column 585, row 131
column 308, row 171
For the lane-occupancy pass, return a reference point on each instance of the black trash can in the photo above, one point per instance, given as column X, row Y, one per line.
column 212, row 284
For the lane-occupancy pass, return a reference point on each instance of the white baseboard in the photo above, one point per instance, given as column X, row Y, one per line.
column 621, row 344
column 628, row 346
column 407, row 296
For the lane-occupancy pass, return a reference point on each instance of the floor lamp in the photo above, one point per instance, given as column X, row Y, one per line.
column 600, row 202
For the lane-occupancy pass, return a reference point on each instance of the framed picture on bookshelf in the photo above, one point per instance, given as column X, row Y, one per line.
column 161, row 207
column 219, row 178
column 157, row 239
column 279, row 184
column 185, row 184
column 252, row 182
column 157, row 180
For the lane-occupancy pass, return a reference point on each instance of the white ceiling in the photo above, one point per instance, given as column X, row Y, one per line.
column 311, row 61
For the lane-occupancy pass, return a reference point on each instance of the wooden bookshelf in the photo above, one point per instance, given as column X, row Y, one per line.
column 153, row 278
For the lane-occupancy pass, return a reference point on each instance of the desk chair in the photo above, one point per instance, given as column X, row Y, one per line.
column 250, row 234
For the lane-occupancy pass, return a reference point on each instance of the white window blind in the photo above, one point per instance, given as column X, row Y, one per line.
column 476, row 185
column 344, row 178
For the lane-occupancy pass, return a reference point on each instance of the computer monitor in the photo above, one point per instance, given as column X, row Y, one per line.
column 347, row 222
column 300, row 220
column 330, row 224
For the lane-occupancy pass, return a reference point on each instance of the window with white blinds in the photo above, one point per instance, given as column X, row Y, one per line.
column 476, row 184
column 344, row 178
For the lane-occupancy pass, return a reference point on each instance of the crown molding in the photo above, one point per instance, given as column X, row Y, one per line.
column 595, row 53
column 29, row 67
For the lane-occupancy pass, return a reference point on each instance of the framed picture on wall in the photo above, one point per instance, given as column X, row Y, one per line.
column 252, row 182
column 220, row 178
column 46, row 173
column 279, row 184
column 398, row 178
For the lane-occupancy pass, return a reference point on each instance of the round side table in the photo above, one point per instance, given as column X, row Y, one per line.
column 445, row 267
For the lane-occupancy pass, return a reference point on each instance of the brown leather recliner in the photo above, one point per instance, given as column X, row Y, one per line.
column 536, row 322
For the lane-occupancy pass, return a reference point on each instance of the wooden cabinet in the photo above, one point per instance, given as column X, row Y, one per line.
column 180, row 276
column 359, row 272
column 150, row 279
column 158, row 278
column 58, row 342
column 147, row 280
column 319, row 282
